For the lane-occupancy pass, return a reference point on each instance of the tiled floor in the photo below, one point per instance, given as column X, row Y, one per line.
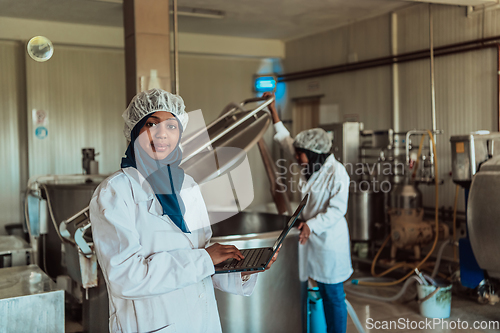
column 406, row 313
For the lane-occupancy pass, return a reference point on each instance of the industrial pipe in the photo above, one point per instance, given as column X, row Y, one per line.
column 433, row 89
column 478, row 44
column 176, row 51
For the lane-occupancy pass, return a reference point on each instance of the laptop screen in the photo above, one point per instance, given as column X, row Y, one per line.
column 290, row 223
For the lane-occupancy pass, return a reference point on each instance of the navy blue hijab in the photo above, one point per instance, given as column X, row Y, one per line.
column 165, row 176
column 315, row 161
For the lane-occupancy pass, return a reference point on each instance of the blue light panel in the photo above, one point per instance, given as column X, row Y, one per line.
column 265, row 83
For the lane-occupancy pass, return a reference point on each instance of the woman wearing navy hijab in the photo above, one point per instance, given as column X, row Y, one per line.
column 151, row 230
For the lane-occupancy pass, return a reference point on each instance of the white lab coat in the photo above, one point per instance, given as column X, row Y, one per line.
column 326, row 256
column 159, row 279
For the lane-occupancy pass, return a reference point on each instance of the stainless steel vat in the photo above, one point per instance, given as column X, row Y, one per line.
column 65, row 201
column 468, row 152
column 275, row 305
column 365, row 209
column 482, row 216
column 29, row 301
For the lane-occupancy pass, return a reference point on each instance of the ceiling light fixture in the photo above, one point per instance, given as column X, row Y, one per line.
column 199, row 12
column 185, row 11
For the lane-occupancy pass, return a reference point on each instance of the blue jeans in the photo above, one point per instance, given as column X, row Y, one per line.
column 335, row 308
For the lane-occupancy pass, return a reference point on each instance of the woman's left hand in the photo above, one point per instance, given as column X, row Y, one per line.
column 305, row 232
column 273, row 259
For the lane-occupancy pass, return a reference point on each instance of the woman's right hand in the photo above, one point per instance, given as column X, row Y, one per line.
column 220, row 253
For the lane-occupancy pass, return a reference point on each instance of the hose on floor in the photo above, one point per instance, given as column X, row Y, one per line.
column 354, row 317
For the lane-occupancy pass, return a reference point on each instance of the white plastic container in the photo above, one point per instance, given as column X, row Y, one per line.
column 437, row 305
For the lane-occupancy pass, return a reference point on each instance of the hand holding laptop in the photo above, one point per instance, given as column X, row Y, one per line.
column 273, row 259
column 255, row 259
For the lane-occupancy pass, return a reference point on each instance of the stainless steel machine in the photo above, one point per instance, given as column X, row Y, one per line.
column 384, row 198
column 362, row 152
column 475, row 168
column 14, row 251
column 366, row 205
column 482, row 216
column 58, row 198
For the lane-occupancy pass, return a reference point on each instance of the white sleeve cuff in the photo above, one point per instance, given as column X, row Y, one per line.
column 248, row 286
column 207, row 263
column 279, row 127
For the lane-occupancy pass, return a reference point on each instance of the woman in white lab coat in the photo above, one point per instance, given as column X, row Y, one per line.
column 151, row 230
column 324, row 253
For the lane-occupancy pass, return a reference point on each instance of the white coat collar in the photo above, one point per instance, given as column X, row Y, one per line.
column 141, row 190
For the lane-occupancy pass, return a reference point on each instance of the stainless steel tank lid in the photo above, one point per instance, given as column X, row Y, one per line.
column 212, row 150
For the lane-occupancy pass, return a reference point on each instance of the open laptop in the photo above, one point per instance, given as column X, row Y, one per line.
column 258, row 259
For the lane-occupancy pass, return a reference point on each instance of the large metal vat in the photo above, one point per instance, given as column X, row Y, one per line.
column 275, row 305
column 365, row 209
column 65, row 201
column 482, row 216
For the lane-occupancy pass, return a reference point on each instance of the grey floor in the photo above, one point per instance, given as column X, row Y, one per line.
column 463, row 308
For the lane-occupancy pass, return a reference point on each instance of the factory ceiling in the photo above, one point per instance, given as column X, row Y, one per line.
column 275, row 19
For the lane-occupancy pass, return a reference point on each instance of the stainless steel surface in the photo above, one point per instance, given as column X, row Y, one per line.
column 365, row 209
column 65, row 201
column 14, row 251
column 483, row 210
column 225, row 131
column 68, row 201
column 345, row 145
column 275, row 305
column 230, row 137
column 468, row 152
column 378, row 139
column 29, row 301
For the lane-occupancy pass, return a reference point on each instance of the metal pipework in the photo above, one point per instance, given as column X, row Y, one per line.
column 433, row 90
column 407, row 146
column 176, row 50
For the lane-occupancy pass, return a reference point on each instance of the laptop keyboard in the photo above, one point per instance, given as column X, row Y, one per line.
column 252, row 257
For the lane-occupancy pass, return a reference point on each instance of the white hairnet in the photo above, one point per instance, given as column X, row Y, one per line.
column 315, row 140
column 150, row 101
